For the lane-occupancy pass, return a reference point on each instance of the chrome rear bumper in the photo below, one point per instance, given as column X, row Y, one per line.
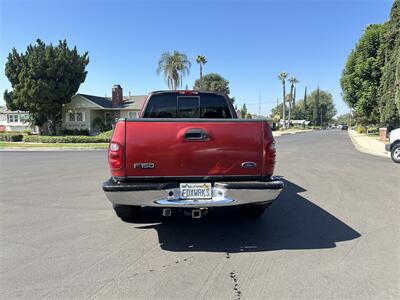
column 167, row 194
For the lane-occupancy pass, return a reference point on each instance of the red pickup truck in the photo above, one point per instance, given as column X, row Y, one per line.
column 189, row 151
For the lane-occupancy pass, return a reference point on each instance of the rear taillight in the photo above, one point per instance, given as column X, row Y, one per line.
column 272, row 146
column 271, row 156
column 115, row 156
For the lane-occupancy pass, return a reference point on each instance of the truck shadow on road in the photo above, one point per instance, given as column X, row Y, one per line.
column 292, row 222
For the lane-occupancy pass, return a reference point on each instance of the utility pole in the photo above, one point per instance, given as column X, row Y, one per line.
column 259, row 103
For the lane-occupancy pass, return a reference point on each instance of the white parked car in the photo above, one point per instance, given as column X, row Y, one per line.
column 394, row 145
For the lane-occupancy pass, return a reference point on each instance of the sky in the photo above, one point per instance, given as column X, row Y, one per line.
column 247, row 42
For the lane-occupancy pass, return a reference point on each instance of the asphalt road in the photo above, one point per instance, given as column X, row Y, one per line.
column 334, row 233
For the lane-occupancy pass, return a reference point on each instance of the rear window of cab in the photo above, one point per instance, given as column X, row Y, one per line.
column 175, row 105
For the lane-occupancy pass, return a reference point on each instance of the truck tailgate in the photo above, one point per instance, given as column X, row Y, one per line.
column 195, row 148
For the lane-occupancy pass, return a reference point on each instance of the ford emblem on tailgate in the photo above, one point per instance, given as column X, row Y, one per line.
column 143, row 165
column 249, row 164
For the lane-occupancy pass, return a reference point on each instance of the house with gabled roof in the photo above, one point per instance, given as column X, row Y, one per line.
column 87, row 112
column 15, row 120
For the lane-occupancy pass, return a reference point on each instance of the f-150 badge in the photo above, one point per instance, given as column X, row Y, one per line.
column 143, row 165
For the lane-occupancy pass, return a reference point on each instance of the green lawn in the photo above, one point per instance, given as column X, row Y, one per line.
column 53, row 145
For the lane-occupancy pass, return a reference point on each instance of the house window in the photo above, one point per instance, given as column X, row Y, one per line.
column 76, row 117
column 23, row 118
column 79, row 117
column 12, row 118
column 132, row 115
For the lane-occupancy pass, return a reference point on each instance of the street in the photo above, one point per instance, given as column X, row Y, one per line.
column 334, row 233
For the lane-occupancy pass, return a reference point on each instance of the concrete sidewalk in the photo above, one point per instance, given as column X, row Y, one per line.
column 368, row 144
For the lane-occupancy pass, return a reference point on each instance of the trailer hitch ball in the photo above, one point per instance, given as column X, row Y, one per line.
column 196, row 213
column 166, row 212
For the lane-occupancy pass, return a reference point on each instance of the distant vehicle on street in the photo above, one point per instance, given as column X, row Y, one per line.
column 189, row 151
column 344, row 127
column 394, row 145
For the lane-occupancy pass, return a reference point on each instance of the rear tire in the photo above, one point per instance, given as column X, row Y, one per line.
column 253, row 210
column 395, row 153
column 127, row 212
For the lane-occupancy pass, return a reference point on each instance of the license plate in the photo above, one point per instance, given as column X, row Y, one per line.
column 195, row 190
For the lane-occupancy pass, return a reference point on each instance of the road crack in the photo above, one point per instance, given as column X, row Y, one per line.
column 236, row 287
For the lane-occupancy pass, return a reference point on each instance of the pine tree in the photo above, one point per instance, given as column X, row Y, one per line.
column 243, row 111
column 305, row 98
column 43, row 79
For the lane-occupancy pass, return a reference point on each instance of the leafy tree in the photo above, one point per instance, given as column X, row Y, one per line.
column 212, row 82
column 277, row 110
column 389, row 89
column 362, row 74
column 299, row 112
column 276, row 118
column 322, row 103
column 174, row 67
column 282, row 77
column 201, row 60
column 243, row 111
column 318, row 103
column 43, row 79
column 344, row 119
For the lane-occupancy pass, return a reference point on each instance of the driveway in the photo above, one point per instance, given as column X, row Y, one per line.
column 334, row 232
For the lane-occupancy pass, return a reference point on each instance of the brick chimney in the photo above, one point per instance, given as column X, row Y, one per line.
column 117, row 96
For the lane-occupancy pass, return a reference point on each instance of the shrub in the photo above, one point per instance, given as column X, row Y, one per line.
column 65, row 139
column 11, row 137
column 103, row 125
column 373, row 130
column 75, row 132
column 361, row 129
column 106, row 135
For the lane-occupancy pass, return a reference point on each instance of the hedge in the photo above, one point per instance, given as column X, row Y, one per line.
column 75, row 132
column 65, row 139
column 106, row 134
column 10, row 137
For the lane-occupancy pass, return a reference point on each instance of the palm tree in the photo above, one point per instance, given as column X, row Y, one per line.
column 293, row 80
column 282, row 77
column 174, row 67
column 201, row 60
